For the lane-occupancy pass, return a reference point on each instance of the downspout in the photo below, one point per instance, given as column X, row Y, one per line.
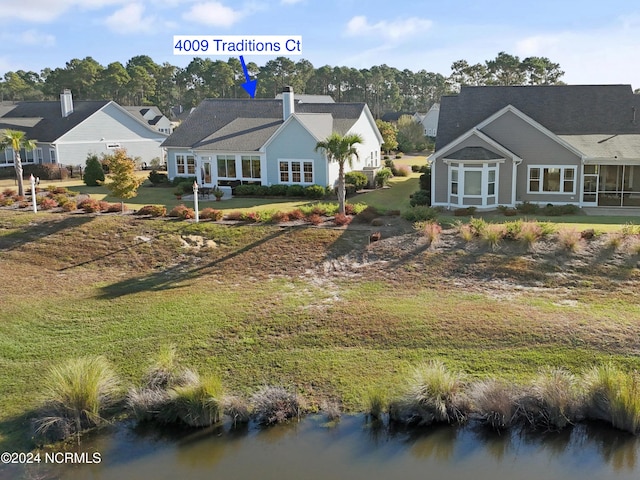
column 514, row 180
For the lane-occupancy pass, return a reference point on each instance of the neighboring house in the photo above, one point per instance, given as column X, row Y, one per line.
column 577, row 144
column 304, row 98
column 231, row 141
column 178, row 115
column 429, row 120
column 152, row 116
column 67, row 131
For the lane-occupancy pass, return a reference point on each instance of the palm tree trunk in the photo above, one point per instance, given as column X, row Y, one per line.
column 341, row 189
column 18, row 168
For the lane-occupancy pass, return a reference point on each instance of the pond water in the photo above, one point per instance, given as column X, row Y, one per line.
column 352, row 449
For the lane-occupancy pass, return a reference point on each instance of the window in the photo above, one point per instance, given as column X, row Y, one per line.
column 226, row 166
column 52, row 155
column 473, row 182
column 186, row 164
column 454, row 181
column 251, row 166
column 544, row 179
column 39, row 156
column 296, row 171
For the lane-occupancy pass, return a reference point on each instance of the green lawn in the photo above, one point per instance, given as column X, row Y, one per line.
column 264, row 308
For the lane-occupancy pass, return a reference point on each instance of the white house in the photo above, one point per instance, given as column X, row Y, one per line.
column 232, row 141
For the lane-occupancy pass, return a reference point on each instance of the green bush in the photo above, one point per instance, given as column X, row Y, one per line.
column 528, row 208
column 415, row 168
column 425, row 180
column 93, row 172
column 421, row 197
column 383, row 176
column 183, row 212
column 358, row 179
column 242, row 190
column 295, row 191
column 314, row 192
column 157, row 178
column 558, row 210
column 278, row 190
column 420, row 214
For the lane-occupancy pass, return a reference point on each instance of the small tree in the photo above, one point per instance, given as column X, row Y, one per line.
column 389, row 134
column 410, row 135
column 16, row 140
column 93, row 172
column 124, row 183
column 340, row 149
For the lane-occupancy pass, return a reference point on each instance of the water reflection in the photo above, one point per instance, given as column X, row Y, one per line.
column 356, row 449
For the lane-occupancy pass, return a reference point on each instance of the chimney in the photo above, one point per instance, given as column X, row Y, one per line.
column 66, row 103
column 287, row 102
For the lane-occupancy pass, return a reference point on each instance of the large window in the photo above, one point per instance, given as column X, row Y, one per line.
column 251, row 166
column 473, row 183
column 186, row 164
column 226, row 166
column 552, row 179
column 6, row 156
column 296, row 171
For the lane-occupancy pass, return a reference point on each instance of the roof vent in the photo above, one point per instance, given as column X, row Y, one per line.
column 66, row 103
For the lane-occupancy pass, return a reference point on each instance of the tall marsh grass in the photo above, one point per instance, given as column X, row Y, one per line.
column 614, row 396
column 434, row 395
column 375, row 403
column 196, row 405
column 77, row 394
column 570, row 239
column 275, row 405
column 493, row 403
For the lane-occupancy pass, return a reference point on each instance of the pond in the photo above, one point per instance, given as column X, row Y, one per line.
column 352, row 449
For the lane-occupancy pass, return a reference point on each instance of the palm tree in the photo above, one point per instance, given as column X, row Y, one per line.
column 16, row 140
column 340, row 149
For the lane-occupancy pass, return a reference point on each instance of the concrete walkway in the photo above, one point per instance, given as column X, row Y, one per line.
column 612, row 211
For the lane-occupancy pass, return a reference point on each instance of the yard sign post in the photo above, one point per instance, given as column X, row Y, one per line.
column 195, row 200
column 33, row 193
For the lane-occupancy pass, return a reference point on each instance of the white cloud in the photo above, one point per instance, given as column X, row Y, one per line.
column 44, row 11
column 214, row 14
column 290, row 2
column 359, row 26
column 33, row 37
column 129, row 19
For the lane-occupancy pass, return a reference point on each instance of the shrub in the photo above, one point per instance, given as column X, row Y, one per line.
column 103, row 205
column 425, row 178
column 275, row 405
column 179, row 180
column 464, row 212
column 477, row 226
column 569, row 239
column 9, row 192
column 152, row 210
column 253, row 217
column 280, row 217
column 614, row 396
column 77, row 394
column 314, row 192
column 415, row 168
column 47, row 203
column 296, row 214
column 420, row 213
column 527, row 208
column 157, row 178
column 512, row 229
column 183, row 212
column 295, row 191
column 236, row 408
column 90, row 205
column 399, row 155
column 434, row 394
column 402, row 171
column 630, row 229
column 315, row 219
column 383, row 176
column 113, row 207
column 278, row 190
column 341, row 219
column 211, row 214
column 421, row 197
column 234, row 216
column 493, row 403
column 69, row 206
column 243, row 190
column 389, row 164
column 358, row 179
column 93, row 172
column 553, row 401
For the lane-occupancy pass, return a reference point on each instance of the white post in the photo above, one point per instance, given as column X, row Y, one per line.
column 33, row 193
column 195, row 200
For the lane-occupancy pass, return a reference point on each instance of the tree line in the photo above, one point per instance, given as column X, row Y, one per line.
column 141, row 81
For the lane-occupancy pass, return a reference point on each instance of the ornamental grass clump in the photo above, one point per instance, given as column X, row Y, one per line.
column 613, row 396
column 493, row 403
column 236, row 408
column 569, row 239
column 77, row 395
column 375, row 403
column 198, row 404
column 530, row 233
column 553, row 401
column 273, row 405
column 492, row 235
column 434, row 395
column 431, row 231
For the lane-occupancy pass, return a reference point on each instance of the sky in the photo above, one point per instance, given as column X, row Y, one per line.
column 594, row 42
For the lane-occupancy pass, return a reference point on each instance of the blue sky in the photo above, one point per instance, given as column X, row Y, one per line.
column 594, row 42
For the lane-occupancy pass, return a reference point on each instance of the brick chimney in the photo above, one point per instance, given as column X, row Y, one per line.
column 66, row 103
column 287, row 102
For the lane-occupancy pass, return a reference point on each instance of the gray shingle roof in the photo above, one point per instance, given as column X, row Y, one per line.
column 43, row 121
column 212, row 115
column 563, row 109
column 474, row 153
column 241, row 134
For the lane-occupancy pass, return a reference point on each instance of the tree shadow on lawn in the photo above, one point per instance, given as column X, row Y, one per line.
column 170, row 278
column 35, row 230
